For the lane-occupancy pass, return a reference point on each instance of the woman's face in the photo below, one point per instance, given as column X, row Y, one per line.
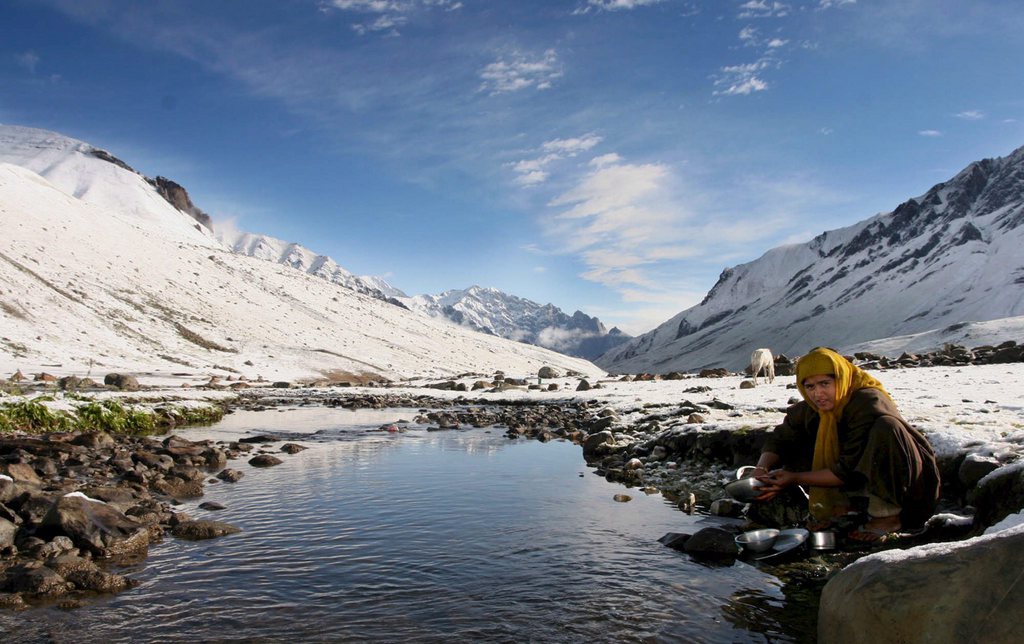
column 821, row 390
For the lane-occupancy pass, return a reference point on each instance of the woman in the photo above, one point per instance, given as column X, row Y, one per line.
column 847, row 442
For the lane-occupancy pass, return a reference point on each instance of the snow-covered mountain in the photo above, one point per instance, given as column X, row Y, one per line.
column 99, row 271
column 945, row 266
column 489, row 310
column 486, row 310
column 298, row 257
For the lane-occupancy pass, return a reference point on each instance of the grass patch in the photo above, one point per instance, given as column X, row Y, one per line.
column 32, row 416
column 111, row 416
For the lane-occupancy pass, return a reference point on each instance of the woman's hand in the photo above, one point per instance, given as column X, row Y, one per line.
column 774, row 483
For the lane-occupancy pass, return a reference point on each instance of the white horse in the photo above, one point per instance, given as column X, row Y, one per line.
column 762, row 360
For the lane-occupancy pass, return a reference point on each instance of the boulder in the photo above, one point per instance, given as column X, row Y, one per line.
column 998, row 495
column 121, row 381
column 203, row 529
column 95, row 526
column 548, row 372
column 36, row 579
column 944, row 592
column 593, row 442
column 265, row 460
column 7, row 532
column 230, row 475
column 583, row 386
column 22, row 473
column 974, row 468
column 712, row 542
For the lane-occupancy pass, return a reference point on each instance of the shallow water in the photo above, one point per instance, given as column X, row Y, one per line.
column 422, row 537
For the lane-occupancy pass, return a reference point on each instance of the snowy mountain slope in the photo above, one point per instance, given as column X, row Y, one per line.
column 118, row 282
column 298, row 257
column 492, row 311
column 948, row 257
column 486, row 310
column 96, row 177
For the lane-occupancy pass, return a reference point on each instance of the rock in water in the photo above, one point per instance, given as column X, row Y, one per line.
column 967, row 592
column 196, row 530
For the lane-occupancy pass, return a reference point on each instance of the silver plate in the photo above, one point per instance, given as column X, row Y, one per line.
column 789, row 539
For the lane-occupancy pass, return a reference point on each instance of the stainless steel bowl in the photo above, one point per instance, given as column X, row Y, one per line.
column 758, row 540
column 744, row 490
column 823, row 540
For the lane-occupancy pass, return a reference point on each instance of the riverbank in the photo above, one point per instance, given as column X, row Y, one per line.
column 684, row 436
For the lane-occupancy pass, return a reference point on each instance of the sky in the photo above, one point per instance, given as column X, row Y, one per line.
column 610, row 156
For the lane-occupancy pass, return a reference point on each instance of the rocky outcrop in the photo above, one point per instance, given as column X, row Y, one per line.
column 963, row 592
column 178, row 197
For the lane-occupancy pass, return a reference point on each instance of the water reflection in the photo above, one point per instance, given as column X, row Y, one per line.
column 424, row 536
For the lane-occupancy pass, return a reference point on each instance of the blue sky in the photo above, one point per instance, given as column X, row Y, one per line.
column 612, row 156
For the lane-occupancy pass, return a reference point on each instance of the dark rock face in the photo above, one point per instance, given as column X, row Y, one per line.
column 178, row 197
column 964, row 594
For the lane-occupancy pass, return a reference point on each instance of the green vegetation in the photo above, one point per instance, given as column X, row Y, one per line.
column 34, row 416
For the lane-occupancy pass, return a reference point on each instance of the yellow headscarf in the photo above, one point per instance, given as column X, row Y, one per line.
column 849, row 378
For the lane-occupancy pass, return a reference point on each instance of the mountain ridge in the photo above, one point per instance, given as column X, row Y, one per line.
column 888, row 275
column 98, row 269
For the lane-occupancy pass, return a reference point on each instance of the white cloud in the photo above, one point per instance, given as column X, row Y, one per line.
column 930, row 133
column 520, row 72
column 742, row 86
column 571, row 147
column 825, row 131
column 531, row 171
column 620, row 220
column 763, row 9
column 828, row 4
column 735, row 80
column 971, row 115
column 605, row 159
column 28, row 60
column 391, row 14
column 775, row 43
column 532, row 178
column 614, row 5
column 749, row 35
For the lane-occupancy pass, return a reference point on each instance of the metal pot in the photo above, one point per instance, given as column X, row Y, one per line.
column 825, row 540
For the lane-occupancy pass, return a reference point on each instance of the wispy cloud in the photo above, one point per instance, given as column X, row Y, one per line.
column 829, row 4
column 28, row 60
column 739, row 80
column 764, row 9
column 531, row 172
column 389, row 14
column 971, row 115
column 619, row 220
column 930, row 133
column 614, row 5
column 519, row 71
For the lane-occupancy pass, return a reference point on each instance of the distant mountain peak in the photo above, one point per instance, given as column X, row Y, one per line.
column 935, row 261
